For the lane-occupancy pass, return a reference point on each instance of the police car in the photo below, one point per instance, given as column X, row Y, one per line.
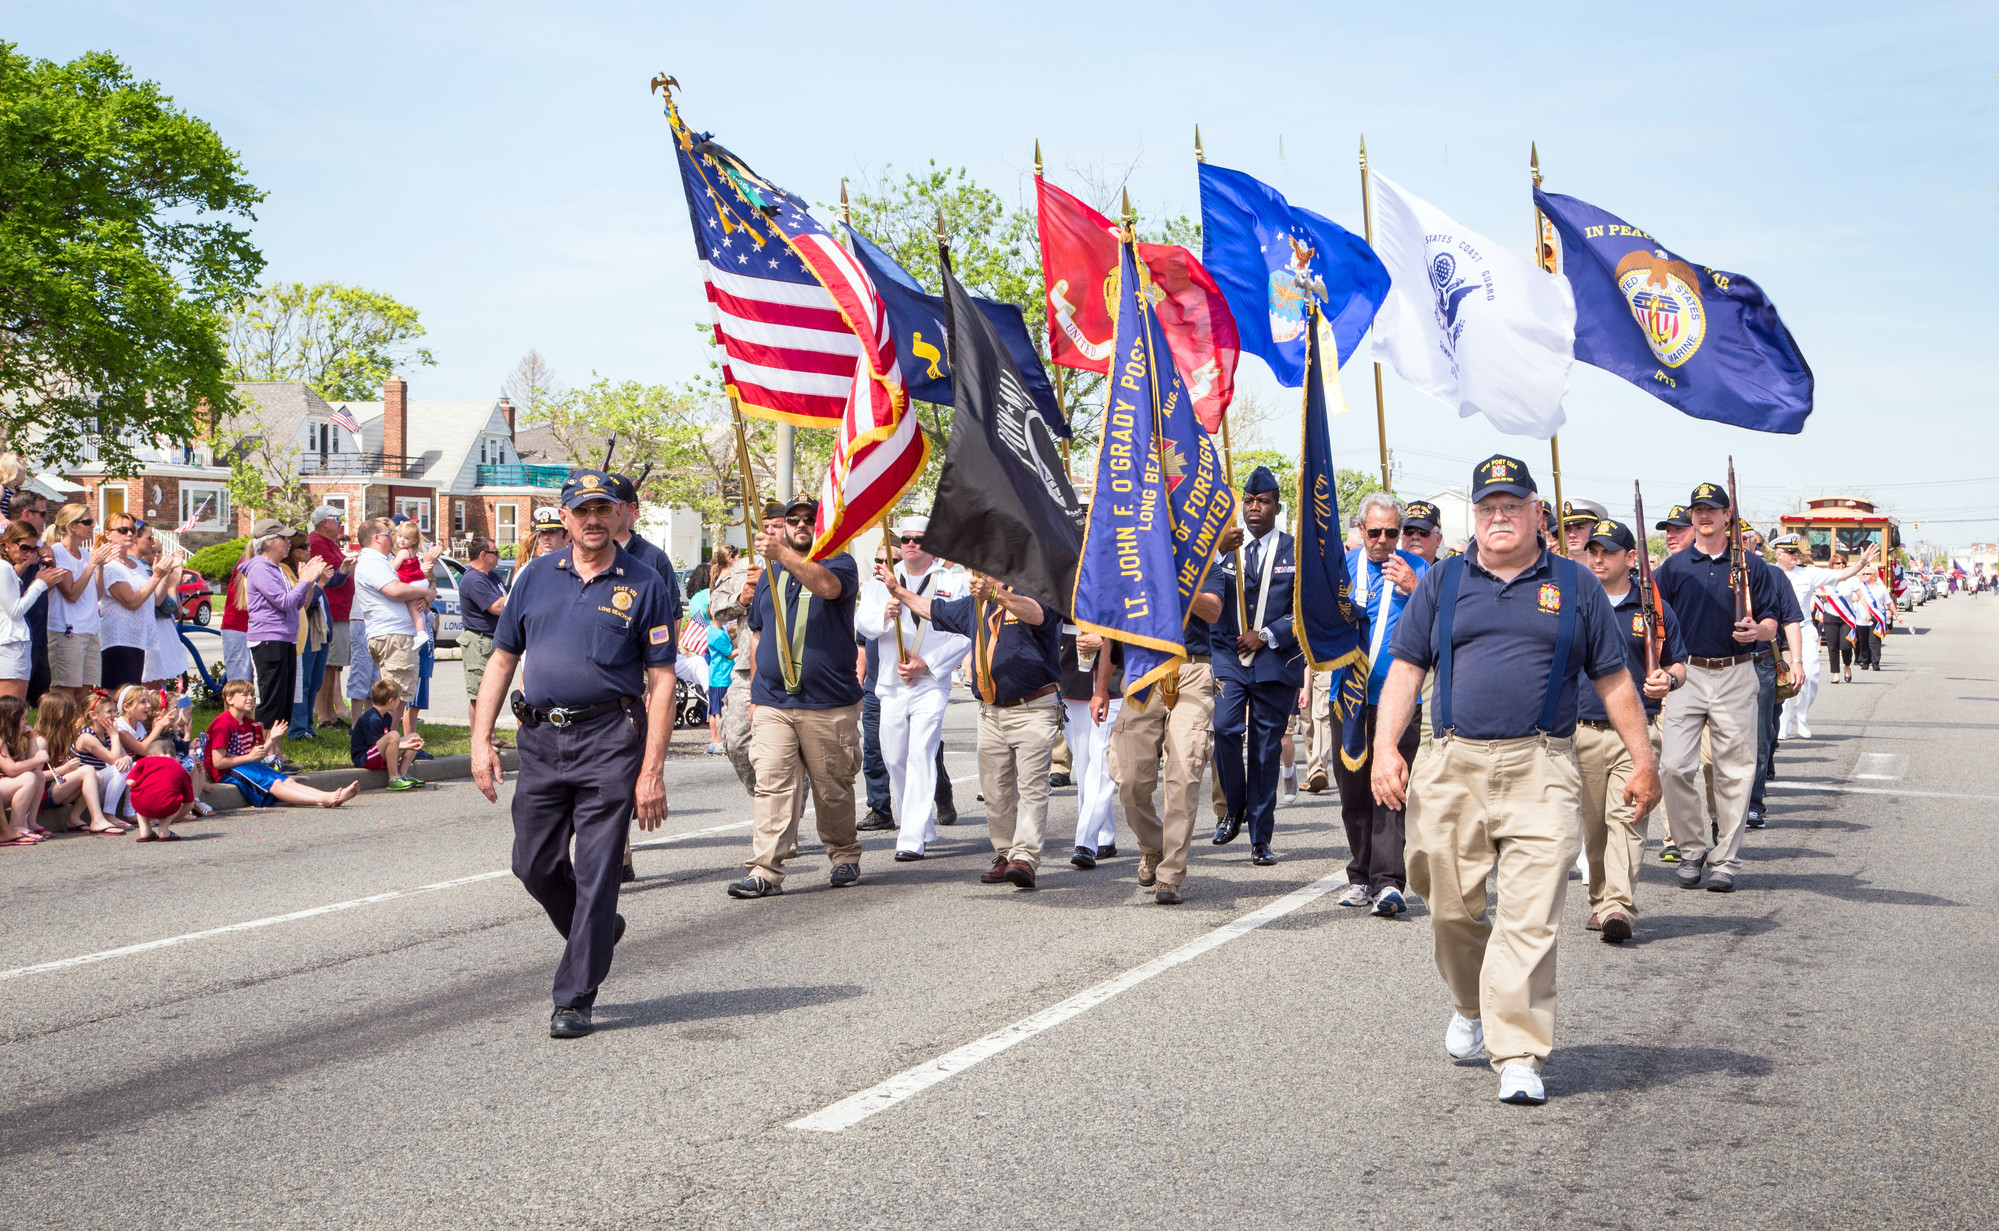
column 446, row 572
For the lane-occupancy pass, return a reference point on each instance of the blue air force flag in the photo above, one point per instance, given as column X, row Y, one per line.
column 1272, row 259
column 1125, row 581
column 916, row 318
column 1322, row 610
column 1468, row 322
column 1706, row 342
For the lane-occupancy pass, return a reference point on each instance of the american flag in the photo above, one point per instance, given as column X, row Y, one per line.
column 345, row 418
column 804, row 334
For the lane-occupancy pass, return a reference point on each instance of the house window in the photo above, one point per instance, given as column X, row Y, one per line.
column 204, row 506
column 482, row 451
column 458, row 517
column 415, row 507
column 322, row 438
column 506, row 523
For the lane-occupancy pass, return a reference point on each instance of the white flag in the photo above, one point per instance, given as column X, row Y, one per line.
column 1467, row 321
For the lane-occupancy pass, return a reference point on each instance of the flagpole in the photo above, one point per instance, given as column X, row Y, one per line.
column 1554, row 438
column 1380, row 406
column 1169, row 685
column 1228, row 461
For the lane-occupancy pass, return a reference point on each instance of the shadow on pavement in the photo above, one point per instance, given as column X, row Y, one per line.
column 1847, row 888
column 705, row 1006
column 1604, row 1067
column 1667, row 927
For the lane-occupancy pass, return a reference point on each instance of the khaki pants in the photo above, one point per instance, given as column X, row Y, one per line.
column 1720, row 702
column 1613, row 838
column 1184, row 737
column 1015, row 744
column 1325, row 739
column 1510, row 803
column 787, row 746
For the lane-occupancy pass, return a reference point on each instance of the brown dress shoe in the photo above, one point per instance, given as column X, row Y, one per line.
column 1616, row 927
column 1020, row 873
column 995, row 874
column 1315, row 782
column 1167, row 895
column 1593, row 924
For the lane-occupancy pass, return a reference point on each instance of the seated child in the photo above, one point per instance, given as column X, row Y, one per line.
column 236, row 748
column 375, row 743
column 162, row 791
column 58, row 723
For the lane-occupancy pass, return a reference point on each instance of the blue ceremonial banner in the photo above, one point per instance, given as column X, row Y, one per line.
column 916, row 318
column 1706, row 342
column 1323, row 617
column 1125, row 581
column 1270, row 257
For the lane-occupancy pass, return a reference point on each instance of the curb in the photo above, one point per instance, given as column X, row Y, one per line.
column 225, row 798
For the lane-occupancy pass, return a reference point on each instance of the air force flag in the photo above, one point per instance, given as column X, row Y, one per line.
column 1467, row 321
column 1705, row 342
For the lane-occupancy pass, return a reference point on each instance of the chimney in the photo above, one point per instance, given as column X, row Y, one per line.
column 507, row 405
column 395, row 417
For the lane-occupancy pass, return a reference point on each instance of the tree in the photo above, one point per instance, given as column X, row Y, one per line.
column 342, row 341
column 531, row 386
column 118, row 260
column 1348, row 485
column 263, row 477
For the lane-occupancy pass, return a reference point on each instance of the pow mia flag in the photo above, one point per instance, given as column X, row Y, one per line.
column 1004, row 504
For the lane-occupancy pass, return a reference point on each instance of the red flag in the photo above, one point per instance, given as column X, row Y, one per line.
column 1079, row 261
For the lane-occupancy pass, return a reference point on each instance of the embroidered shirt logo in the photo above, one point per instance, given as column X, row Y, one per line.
column 1550, row 596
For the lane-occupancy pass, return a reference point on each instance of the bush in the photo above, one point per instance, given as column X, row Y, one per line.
column 217, row 562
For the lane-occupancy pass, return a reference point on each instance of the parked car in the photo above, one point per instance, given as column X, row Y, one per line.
column 450, row 622
column 196, row 598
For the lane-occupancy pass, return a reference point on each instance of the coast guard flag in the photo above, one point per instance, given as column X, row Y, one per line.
column 1706, row 342
column 1125, row 581
column 1272, row 258
column 1322, row 610
column 1467, row 321
column 916, row 317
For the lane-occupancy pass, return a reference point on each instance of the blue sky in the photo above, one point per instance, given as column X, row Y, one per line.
column 501, row 168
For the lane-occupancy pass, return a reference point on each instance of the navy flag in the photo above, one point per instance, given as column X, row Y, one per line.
column 916, row 318
column 1323, row 617
column 1706, row 342
column 1125, row 587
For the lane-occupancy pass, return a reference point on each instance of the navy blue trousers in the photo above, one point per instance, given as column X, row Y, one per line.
column 1249, row 732
column 578, row 784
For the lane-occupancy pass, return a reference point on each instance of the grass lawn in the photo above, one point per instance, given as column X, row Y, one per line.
column 329, row 751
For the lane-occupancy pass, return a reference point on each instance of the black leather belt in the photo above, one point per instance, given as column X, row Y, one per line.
column 1714, row 664
column 1200, row 658
column 559, row 716
column 1036, row 695
column 1596, row 724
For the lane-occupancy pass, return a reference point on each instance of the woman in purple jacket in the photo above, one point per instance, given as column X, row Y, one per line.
column 274, row 604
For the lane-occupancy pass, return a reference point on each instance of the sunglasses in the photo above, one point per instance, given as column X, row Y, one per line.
column 84, row 521
column 1417, row 532
column 912, row 540
column 1384, row 533
column 800, row 521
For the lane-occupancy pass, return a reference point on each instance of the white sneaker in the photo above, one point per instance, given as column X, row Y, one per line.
column 1290, row 784
column 1464, row 1037
column 1804, row 732
column 1356, row 895
column 1389, row 904
column 1520, row 1083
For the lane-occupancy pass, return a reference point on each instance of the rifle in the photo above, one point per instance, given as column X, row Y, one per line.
column 1649, row 608
column 1738, row 564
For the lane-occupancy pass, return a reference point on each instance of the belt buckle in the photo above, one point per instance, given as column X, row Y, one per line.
column 558, row 718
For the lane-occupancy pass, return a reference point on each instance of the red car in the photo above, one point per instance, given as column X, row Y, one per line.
column 196, row 601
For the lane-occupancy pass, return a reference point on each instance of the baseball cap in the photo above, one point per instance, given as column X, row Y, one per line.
column 801, row 501
column 1613, row 534
column 271, row 527
column 325, row 512
column 1500, row 473
column 1708, row 495
column 1421, row 513
column 623, row 489
column 1676, row 519
column 583, row 486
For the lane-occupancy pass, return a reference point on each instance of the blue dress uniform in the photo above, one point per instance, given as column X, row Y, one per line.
column 1257, row 698
column 583, row 744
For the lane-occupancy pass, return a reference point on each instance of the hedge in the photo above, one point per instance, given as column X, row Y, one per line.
column 217, row 562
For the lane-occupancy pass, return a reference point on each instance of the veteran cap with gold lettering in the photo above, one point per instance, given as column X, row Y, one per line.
column 583, row 486
column 1709, row 495
column 1500, row 473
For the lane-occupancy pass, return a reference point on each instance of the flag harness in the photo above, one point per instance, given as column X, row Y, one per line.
column 1565, row 635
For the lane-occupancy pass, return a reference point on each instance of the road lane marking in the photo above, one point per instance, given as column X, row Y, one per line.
column 1881, row 766
column 1873, row 790
column 86, row 959
column 855, row 1108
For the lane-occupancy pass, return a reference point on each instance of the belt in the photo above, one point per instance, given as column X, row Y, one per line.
column 1201, row 658
column 1036, row 695
column 566, row 716
column 1714, row 664
column 1595, row 724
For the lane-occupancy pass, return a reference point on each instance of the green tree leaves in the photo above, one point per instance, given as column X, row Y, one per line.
column 343, row 341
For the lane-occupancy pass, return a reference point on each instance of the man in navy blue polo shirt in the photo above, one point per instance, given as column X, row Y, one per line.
column 1511, row 629
column 1259, row 670
column 596, row 707
column 1016, row 673
column 1613, row 835
column 805, row 720
column 1720, row 694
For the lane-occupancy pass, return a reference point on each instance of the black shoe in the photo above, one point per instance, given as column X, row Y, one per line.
column 877, row 819
column 1107, row 852
column 908, row 856
column 1261, row 856
column 1084, row 857
column 1058, row 778
column 1754, row 819
column 1230, row 828
column 982, row 797
column 844, row 874
column 947, row 815
column 569, row 1024
column 617, row 929
column 754, row 887
column 628, row 875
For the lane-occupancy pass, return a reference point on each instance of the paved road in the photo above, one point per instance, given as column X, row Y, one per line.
column 1814, row 1050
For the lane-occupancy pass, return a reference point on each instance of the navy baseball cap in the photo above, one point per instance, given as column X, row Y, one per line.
column 584, row 486
column 623, row 490
column 1421, row 513
column 1708, row 495
column 1676, row 519
column 773, row 511
column 1613, row 534
column 802, row 501
column 1500, row 473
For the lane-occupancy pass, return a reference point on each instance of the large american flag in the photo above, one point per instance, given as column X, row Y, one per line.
column 804, row 334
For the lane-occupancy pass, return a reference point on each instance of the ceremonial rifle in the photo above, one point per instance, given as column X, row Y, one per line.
column 1649, row 609
column 1738, row 563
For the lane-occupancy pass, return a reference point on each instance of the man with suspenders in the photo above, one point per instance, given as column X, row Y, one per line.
column 1512, row 629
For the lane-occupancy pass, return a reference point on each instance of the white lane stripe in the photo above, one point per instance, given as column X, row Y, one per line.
column 855, row 1108
column 1873, row 790
column 273, row 920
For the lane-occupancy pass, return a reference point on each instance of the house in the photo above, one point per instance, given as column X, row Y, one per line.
column 1453, row 513
column 178, row 485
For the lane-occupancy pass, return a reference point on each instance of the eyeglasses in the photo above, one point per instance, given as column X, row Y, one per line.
column 84, row 521
column 915, row 540
column 1417, row 532
column 119, row 529
column 1511, row 511
column 801, row 520
column 1380, row 532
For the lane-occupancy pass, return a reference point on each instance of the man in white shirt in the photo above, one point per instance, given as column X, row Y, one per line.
column 1806, row 581
column 381, row 602
column 914, row 686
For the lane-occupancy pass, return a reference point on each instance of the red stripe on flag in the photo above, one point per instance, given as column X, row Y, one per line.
column 822, row 362
column 824, row 319
column 806, row 405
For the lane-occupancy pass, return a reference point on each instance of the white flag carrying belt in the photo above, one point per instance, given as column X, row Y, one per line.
column 1469, row 322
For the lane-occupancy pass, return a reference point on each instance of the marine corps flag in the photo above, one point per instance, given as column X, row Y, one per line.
column 1004, row 505
column 1706, row 342
column 1322, row 613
